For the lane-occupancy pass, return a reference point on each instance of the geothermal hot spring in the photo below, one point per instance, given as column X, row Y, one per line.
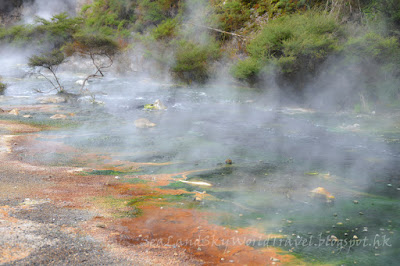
column 300, row 173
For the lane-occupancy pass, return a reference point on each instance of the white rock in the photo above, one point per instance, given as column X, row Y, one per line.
column 58, row 116
column 354, row 127
column 14, row 112
column 143, row 123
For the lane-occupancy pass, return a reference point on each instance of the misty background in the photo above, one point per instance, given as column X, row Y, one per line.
column 293, row 112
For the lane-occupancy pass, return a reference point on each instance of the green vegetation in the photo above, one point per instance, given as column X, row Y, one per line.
column 247, row 69
column 118, row 17
column 94, row 46
column 192, row 60
column 56, row 31
column 166, row 29
column 386, row 12
column 2, row 87
column 50, row 61
column 293, row 45
column 232, row 15
column 289, row 42
column 378, row 59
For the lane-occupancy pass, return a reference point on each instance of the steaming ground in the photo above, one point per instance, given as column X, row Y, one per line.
column 279, row 155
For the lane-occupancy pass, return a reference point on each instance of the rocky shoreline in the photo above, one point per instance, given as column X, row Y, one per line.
column 36, row 230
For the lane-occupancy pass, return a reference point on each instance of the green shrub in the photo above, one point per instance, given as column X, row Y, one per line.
column 386, row 11
column 151, row 13
column 270, row 43
column 47, row 60
column 58, row 30
column 247, row 69
column 192, row 60
column 2, row 87
column 50, row 61
column 373, row 46
column 165, row 30
column 17, row 34
column 232, row 15
column 122, row 16
column 293, row 44
column 111, row 17
column 92, row 44
column 376, row 58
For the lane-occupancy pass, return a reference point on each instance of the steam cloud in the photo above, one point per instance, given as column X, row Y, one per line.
column 46, row 9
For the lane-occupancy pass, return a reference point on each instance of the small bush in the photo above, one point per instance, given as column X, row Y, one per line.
column 47, row 60
column 17, row 34
column 232, row 15
column 120, row 17
column 377, row 58
column 50, row 61
column 247, row 69
column 192, row 60
column 58, row 30
column 110, row 17
column 165, row 30
column 94, row 44
column 373, row 46
column 2, row 87
column 293, row 44
column 386, row 11
column 152, row 13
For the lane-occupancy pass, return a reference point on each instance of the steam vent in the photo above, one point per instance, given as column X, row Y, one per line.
column 194, row 132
